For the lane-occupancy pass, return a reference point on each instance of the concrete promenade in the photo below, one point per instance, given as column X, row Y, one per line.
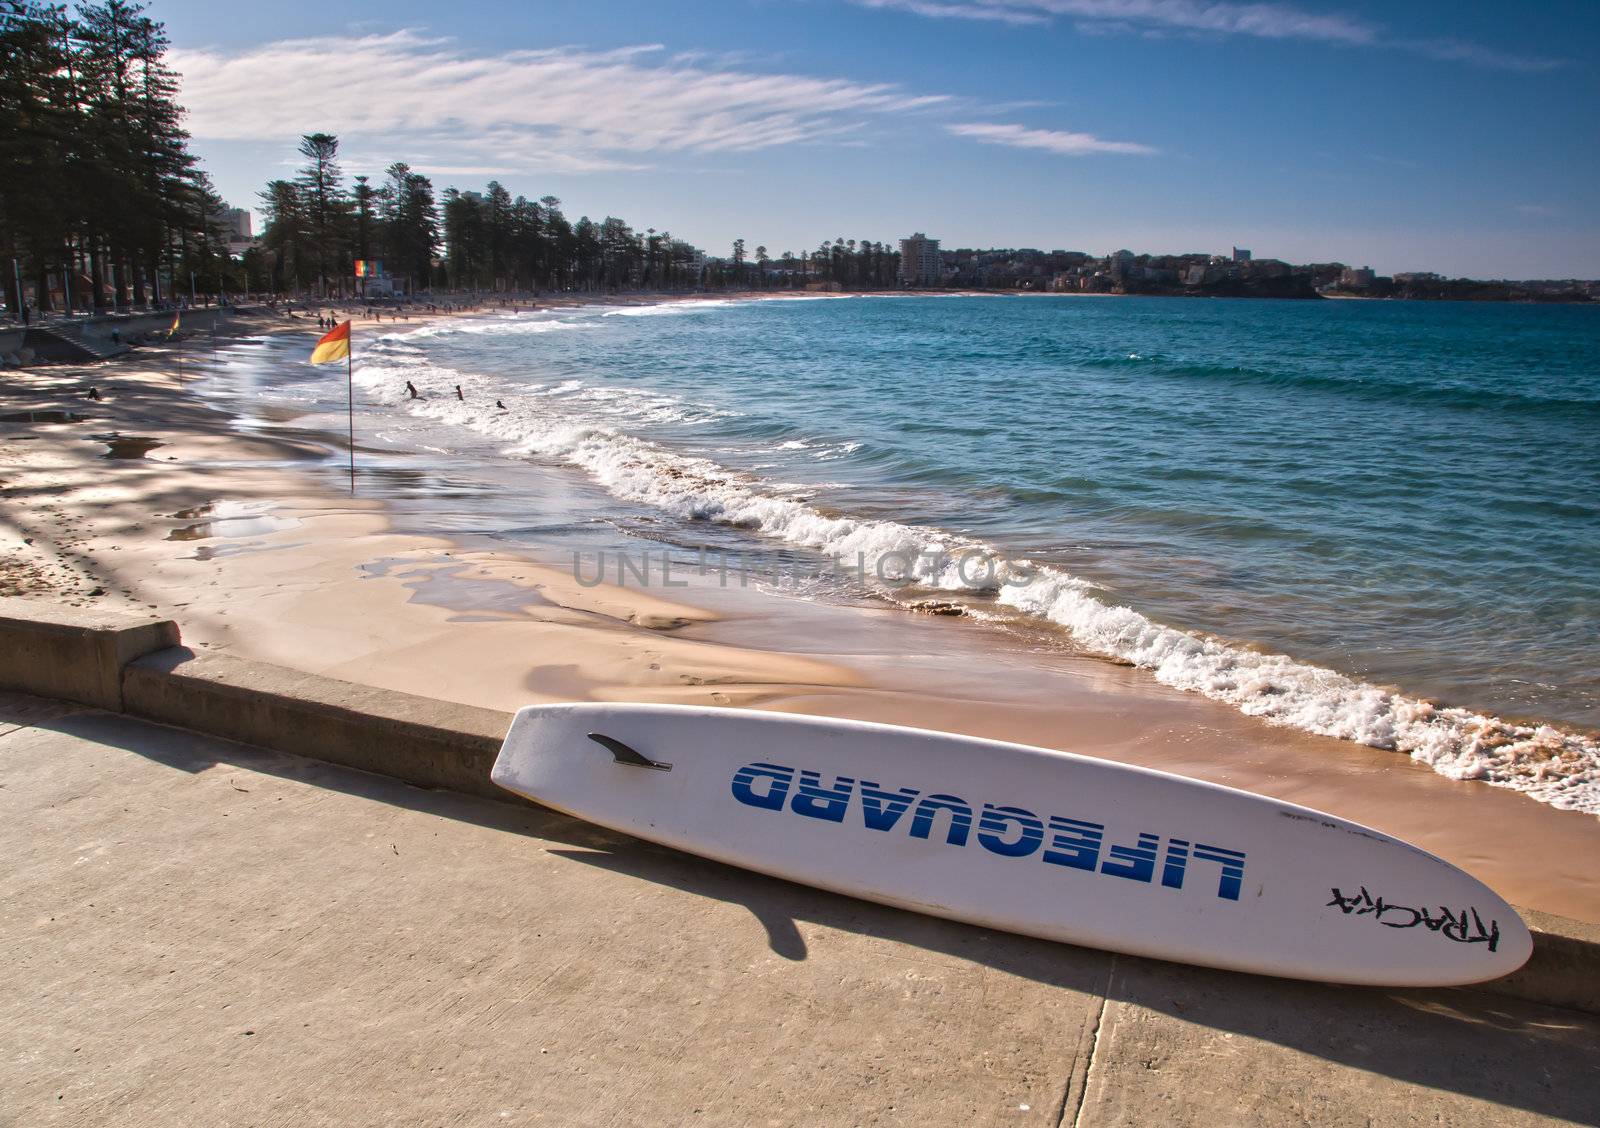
column 201, row 932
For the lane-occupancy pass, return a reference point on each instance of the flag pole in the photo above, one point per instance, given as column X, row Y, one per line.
column 336, row 339
column 350, row 404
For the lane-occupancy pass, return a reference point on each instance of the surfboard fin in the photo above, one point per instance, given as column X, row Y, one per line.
column 622, row 754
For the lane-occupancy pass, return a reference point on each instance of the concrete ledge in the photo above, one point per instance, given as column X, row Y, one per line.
column 1564, row 969
column 416, row 739
column 75, row 653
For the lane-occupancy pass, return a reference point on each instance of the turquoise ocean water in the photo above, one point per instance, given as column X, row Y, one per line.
column 1374, row 520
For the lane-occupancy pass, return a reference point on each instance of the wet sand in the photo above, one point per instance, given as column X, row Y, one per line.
column 238, row 535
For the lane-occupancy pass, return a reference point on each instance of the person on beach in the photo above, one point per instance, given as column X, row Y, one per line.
column 501, row 405
column 411, row 390
column 459, row 396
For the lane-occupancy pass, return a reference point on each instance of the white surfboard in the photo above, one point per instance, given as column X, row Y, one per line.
column 1021, row 839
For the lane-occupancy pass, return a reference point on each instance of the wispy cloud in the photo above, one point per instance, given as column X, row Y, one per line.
column 948, row 10
column 1215, row 17
column 1457, row 51
column 1266, row 21
column 565, row 109
column 1049, row 140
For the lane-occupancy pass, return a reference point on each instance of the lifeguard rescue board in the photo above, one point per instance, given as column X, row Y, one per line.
column 1020, row 839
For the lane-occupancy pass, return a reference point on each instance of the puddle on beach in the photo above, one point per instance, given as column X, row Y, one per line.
column 476, row 600
column 42, row 417
column 120, row 446
column 219, row 551
column 228, row 519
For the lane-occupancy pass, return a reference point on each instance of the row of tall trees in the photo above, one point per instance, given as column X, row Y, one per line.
column 495, row 242
column 100, row 197
column 848, row 263
column 317, row 225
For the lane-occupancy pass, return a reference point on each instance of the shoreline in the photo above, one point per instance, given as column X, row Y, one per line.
column 293, row 573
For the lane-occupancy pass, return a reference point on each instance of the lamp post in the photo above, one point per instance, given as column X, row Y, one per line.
column 16, row 270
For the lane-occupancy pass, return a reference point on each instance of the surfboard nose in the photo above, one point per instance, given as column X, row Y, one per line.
column 1514, row 950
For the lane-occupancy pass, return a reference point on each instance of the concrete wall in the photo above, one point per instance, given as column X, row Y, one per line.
column 422, row 741
column 76, row 654
column 1564, row 969
column 130, row 325
column 134, row 664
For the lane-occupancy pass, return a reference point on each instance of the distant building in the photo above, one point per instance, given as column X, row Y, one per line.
column 1352, row 278
column 236, row 225
column 1241, row 254
column 919, row 261
column 239, row 224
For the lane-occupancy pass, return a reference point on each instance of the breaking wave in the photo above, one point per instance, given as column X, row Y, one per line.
column 669, row 309
column 507, row 326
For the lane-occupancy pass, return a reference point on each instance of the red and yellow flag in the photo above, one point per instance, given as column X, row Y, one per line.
column 335, row 345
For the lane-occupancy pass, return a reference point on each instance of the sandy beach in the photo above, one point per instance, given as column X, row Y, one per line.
column 236, row 528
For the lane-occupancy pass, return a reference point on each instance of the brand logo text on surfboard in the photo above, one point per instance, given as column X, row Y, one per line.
column 1012, row 832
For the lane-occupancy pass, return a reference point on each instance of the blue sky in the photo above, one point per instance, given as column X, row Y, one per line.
column 1459, row 137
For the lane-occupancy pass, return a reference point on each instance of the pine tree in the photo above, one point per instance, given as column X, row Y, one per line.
column 285, row 235
column 98, row 174
column 36, row 143
column 412, row 224
column 322, row 192
column 364, row 200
